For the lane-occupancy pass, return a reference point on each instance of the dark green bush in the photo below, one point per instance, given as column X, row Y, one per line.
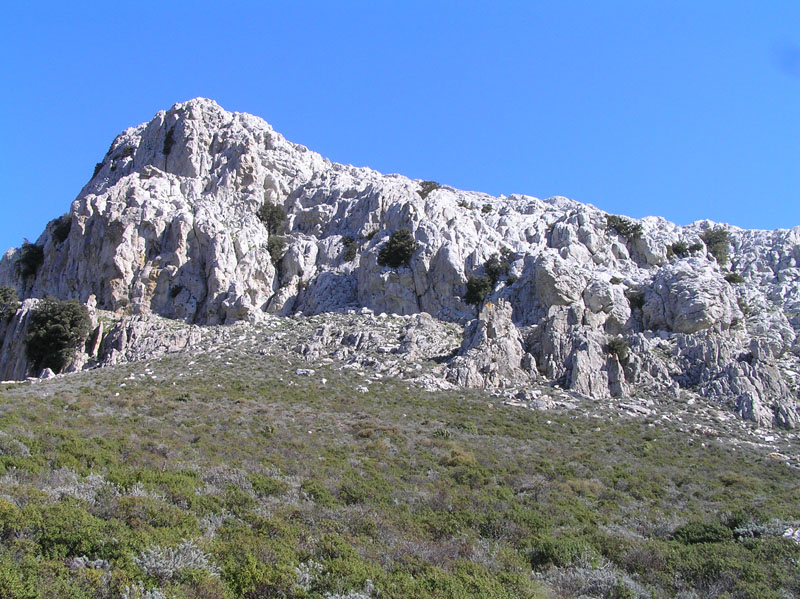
column 696, row 247
column 619, row 347
column 734, row 278
column 426, row 187
column 60, row 228
column 29, row 258
column 9, row 302
column 496, row 268
column 478, row 288
column 398, row 250
column 557, row 551
column 55, row 330
column 276, row 245
column 169, row 141
column 679, row 248
column 702, row 532
column 487, row 208
column 636, row 298
column 624, row 226
column 350, row 248
column 266, row 485
column 66, row 529
column 272, row 216
column 717, row 241
column 318, row 492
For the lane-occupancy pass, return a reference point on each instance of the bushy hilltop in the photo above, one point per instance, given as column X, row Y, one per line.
column 212, row 217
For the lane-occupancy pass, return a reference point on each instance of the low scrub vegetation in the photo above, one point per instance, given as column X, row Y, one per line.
column 183, row 478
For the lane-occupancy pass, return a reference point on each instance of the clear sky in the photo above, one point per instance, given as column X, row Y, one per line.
column 684, row 109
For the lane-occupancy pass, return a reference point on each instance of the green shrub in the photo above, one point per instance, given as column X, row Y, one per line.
column 60, row 228
column 426, row 187
column 495, row 268
column 9, row 302
column 66, row 529
column 487, row 208
column 266, row 485
column 169, row 141
column 702, row 532
column 272, row 216
column 398, row 250
column 276, row 245
column 350, row 248
column 717, row 241
column 679, row 248
column 734, row 278
column 745, row 307
column 624, row 226
column 696, row 247
column 318, row 492
column 619, row 347
column 557, row 551
column 55, row 330
column 478, row 288
column 29, row 258
column 636, row 299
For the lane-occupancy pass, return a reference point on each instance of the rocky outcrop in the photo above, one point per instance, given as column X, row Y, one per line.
column 14, row 363
column 492, row 354
column 170, row 221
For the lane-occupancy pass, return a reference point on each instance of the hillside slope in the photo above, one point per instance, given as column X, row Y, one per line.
column 230, row 471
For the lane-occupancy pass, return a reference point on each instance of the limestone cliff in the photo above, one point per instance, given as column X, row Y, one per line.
column 168, row 225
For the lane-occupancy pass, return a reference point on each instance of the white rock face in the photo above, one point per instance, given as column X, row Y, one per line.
column 168, row 225
column 492, row 353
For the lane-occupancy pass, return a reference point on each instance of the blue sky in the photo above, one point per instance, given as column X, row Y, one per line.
column 686, row 110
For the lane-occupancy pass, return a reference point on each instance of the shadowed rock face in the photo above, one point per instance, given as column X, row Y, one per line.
column 168, row 225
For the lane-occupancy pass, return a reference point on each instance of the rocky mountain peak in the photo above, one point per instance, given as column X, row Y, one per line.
column 212, row 217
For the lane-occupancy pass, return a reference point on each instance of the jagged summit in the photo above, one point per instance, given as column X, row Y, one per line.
column 169, row 225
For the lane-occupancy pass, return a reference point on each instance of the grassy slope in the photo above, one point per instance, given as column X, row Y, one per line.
column 294, row 488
